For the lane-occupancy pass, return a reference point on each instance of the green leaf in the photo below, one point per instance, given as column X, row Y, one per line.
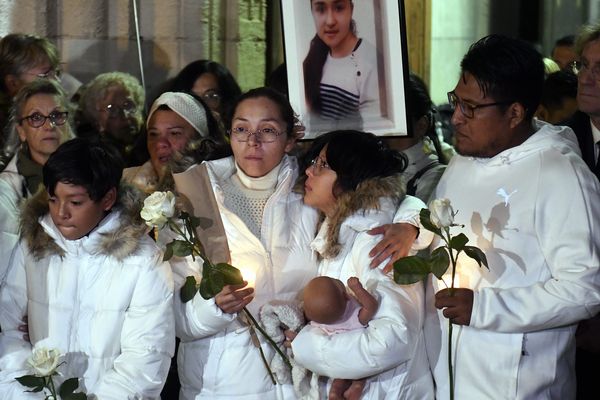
column 168, row 252
column 75, row 396
column 206, row 290
column 458, row 242
column 425, row 217
column 189, row 289
column 216, row 282
column 31, row 381
column 439, row 261
column 476, row 254
column 231, row 275
column 181, row 248
column 409, row 270
column 68, row 387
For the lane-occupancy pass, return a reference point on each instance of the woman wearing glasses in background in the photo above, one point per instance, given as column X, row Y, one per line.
column 112, row 105
column 268, row 230
column 39, row 123
column 209, row 80
column 23, row 58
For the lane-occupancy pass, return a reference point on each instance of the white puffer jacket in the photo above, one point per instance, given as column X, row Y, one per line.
column 391, row 349
column 104, row 300
column 216, row 357
column 12, row 190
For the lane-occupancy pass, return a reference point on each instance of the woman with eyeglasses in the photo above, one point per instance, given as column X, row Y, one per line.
column 39, row 123
column 210, row 81
column 23, row 58
column 112, row 105
column 268, row 231
column 355, row 181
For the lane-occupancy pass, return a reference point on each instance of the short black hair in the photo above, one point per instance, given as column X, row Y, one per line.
column 356, row 156
column 568, row 41
column 91, row 163
column 285, row 109
column 558, row 86
column 506, row 69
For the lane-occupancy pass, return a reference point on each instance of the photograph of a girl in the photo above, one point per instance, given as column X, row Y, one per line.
column 340, row 70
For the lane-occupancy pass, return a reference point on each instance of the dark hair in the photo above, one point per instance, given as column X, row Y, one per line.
column 506, row 69
column 356, row 156
column 277, row 80
column 558, row 86
column 91, row 163
column 420, row 105
column 228, row 87
column 285, row 109
column 568, row 41
column 313, row 72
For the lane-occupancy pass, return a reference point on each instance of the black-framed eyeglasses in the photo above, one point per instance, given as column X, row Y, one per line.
column 318, row 165
column 37, row 119
column 126, row 108
column 52, row 73
column 264, row 135
column 467, row 109
column 579, row 67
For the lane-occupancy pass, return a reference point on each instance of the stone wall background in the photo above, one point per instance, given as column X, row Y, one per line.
column 95, row 36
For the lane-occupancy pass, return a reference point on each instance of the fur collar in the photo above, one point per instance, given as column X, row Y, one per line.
column 367, row 196
column 119, row 243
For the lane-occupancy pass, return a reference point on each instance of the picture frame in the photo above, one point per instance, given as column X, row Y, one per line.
column 363, row 90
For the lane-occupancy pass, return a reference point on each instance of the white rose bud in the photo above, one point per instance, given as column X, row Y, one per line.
column 442, row 214
column 158, row 208
column 44, row 361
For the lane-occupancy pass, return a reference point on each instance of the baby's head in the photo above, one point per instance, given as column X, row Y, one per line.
column 325, row 300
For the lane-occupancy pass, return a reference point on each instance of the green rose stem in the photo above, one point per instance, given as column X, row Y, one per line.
column 50, row 385
column 197, row 251
column 453, row 259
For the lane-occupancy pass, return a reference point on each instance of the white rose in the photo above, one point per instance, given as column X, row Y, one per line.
column 442, row 214
column 158, row 208
column 44, row 361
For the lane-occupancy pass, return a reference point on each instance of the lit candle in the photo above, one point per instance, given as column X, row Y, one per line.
column 249, row 275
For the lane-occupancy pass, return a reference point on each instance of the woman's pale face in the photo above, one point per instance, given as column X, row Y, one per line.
column 206, row 86
column 255, row 158
column 44, row 140
column 119, row 116
column 318, row 188
column 167, row 133
column 332, row 21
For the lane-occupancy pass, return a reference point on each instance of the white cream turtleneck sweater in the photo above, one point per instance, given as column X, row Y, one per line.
column 247, row 196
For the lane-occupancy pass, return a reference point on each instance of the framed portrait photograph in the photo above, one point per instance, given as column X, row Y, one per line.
column 347, row 64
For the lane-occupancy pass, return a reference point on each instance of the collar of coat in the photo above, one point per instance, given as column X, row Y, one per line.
column 120, row 242
column 366, row 197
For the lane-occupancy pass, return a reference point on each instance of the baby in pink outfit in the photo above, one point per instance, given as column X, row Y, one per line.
column 329, row 306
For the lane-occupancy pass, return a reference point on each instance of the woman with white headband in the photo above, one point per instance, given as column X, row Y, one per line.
column 177, row 123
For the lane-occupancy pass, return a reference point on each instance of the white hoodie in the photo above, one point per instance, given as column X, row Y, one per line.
column 534, row 211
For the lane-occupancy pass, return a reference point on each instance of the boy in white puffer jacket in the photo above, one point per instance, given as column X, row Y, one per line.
column 91, row 282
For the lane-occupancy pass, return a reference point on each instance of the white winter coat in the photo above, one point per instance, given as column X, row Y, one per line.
column 216, row 357
column 534, row 211
column 391, row 350
column 12, row 190
column 104, row 300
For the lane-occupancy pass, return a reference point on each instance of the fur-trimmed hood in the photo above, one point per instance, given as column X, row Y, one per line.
column 367, row 196
column 118, row 233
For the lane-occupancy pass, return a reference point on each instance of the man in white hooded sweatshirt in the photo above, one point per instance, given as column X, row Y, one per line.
column 526, row 198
